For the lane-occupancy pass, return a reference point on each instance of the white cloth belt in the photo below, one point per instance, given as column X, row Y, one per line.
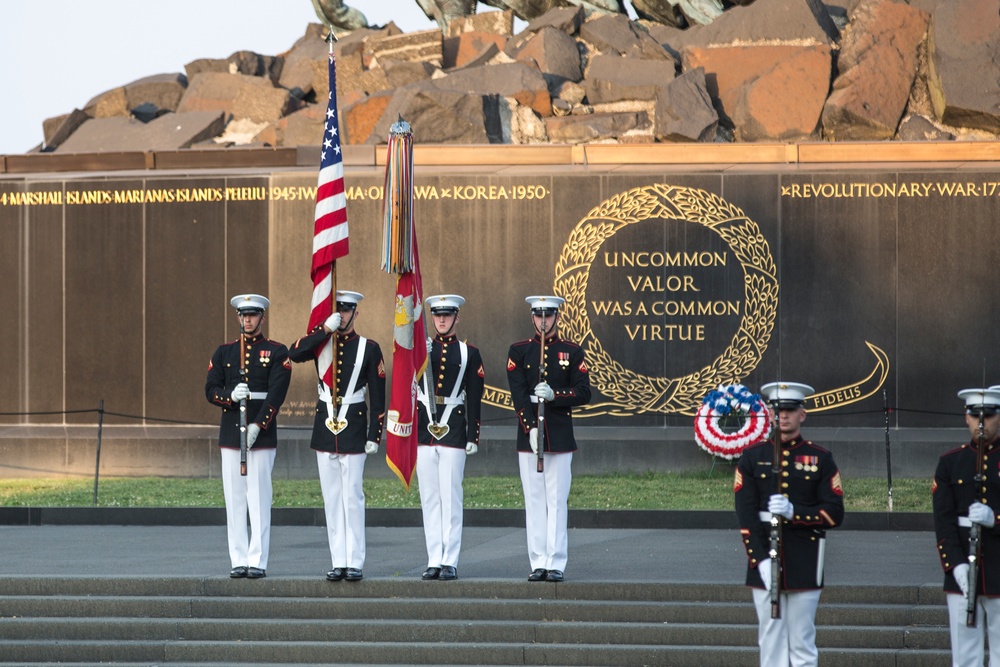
column 356, row 397
column 764, row 516
column 441, row 400
column 534, row 399
column 965, row 522
column 258, row 395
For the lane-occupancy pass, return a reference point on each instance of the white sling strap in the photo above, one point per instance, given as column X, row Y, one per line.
column 340, row 423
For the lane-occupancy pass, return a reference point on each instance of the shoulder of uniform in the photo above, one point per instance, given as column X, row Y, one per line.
column 810, row 443
column 570, row 344
column 956, row 450
column 275, row 344
column 521, row 343
column 757, row 446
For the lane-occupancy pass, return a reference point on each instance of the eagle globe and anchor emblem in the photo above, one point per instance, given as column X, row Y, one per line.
column 628, row 392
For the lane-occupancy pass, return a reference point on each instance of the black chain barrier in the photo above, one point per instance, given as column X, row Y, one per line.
column 101, row 412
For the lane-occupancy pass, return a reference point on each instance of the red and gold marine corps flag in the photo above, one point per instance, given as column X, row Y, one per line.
column 409, row 349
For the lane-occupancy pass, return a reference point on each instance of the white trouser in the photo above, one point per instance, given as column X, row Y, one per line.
column 545, row 508
column 439, row 475
column 340, row 477
column 967, row 643
column 791, row 639
column 250, row 494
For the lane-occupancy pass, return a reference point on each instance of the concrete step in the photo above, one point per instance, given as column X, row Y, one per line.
column 214, row 620
column 431, row 609
column 208, row 653
column 560, row 632
column 412, row 588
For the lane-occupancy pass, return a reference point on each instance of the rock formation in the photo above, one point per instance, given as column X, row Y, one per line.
column 763, row 71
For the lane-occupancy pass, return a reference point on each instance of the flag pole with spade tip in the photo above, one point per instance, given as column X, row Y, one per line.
column 409, row 348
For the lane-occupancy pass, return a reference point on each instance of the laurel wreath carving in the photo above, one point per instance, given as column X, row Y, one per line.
column 635, row 393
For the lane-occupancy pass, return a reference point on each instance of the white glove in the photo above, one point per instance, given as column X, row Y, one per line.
column 252, row 432
column 961, row 574
column 471, row 448
column 240, row 392
column 778, row 504
column 982, row 514
column 544, row 392
column 533, row 440
column 430, row 346
column 371, row 447
column 333, row 322
column 764, row 570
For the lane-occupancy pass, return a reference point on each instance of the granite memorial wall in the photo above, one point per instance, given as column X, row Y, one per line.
column 867, row 285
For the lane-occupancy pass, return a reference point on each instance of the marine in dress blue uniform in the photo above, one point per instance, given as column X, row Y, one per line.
column 446, row 440
column 268, row 373
column 562, row 382
column 356, row 417
column 961, row 500
column 809, row 498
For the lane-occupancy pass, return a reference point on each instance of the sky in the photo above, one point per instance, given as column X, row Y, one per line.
column 59, row 54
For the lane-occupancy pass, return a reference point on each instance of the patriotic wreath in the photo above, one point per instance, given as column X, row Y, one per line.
column 730, row 419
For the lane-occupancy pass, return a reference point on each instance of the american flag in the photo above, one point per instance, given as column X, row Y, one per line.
column 330, row 230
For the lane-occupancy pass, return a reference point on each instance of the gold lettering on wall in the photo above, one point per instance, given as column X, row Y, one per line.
column 888, row 189
column 261, row 193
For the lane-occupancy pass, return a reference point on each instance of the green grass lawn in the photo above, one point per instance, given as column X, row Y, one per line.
column 666, row 491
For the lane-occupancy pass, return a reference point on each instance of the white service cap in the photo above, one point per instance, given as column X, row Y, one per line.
column 352, row 298
column 445, row 303
column 253, row 302
column 985, row 400
column 786, row 394
column 544, row 304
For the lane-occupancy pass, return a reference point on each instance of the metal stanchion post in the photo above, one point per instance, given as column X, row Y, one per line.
column 97, row 463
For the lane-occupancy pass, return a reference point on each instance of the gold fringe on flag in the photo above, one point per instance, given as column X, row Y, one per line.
column 397, row 205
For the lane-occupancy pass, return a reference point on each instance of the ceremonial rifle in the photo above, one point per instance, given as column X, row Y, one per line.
column 243, row 405
column 435, row 429
column 775, row 551
column 975, row 548
column 540, row 467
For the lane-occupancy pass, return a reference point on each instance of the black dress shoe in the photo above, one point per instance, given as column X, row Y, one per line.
column 554, row 575
column 537, row 575
column 238, row 572
column 336, row 574
column 353, row 574
column 430, row 573
column 255, row 573
column 448, row 573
